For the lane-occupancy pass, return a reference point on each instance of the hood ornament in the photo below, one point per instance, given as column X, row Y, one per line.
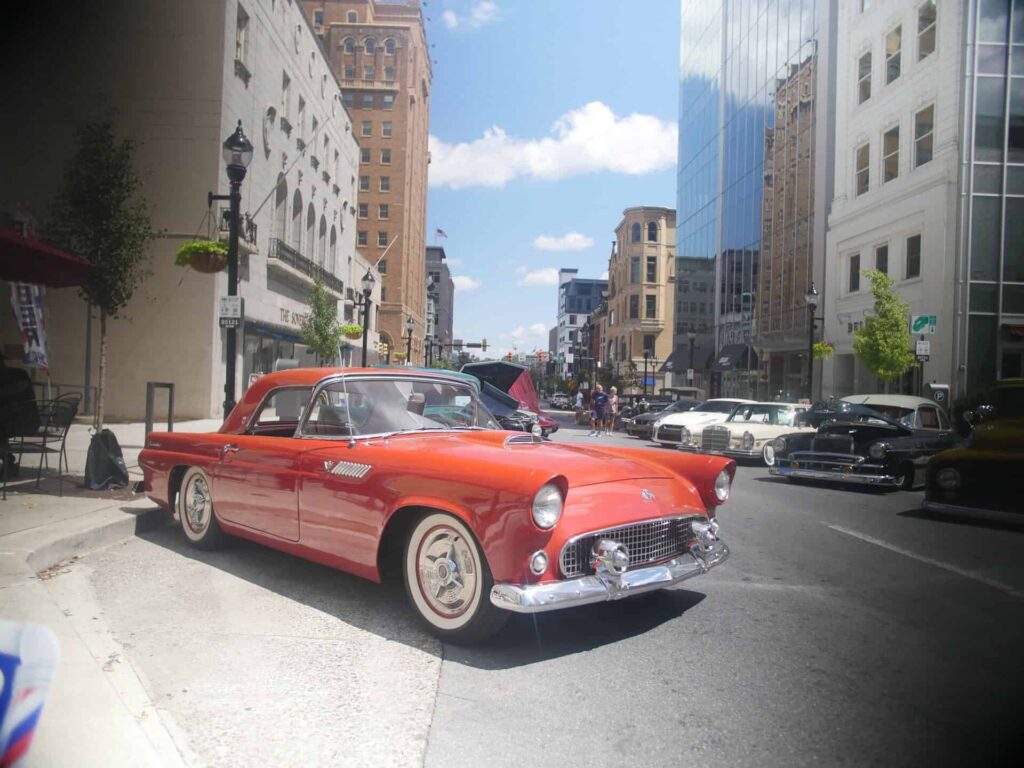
column 647, row 495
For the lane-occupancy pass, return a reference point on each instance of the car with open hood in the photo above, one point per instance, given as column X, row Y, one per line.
column 747, row 430
column 669, row 429
column 377, row 472
column 880, row 440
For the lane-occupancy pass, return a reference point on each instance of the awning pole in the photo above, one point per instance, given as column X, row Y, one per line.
column 88, row 357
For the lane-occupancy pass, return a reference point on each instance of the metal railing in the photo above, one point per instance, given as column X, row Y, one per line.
column 281, row 251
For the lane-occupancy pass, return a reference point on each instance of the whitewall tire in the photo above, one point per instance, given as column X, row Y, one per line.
column 195, row 511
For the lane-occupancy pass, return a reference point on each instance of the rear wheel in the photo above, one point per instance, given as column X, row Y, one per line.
column 195, row 511
column 448, row 581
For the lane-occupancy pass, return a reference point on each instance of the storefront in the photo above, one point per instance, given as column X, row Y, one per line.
column 266, row 344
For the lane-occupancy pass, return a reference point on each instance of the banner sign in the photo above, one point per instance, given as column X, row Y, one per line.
column 27, row 302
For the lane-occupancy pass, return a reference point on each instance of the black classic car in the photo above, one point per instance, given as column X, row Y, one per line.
column 640, row 425
column 880, row 440
column 985, row 474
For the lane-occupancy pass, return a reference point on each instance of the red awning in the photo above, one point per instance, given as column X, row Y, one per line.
column 24, row 260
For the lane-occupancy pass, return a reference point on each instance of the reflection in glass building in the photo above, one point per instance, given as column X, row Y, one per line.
column 751, row 142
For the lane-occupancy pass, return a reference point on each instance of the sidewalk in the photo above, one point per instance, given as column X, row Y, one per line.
column 98, row 712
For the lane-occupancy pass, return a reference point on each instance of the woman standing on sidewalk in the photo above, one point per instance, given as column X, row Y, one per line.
column 612, row 410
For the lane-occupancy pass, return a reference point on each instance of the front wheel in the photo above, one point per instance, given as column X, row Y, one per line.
column 195, row 511
column 904, row 477
column 448, row 581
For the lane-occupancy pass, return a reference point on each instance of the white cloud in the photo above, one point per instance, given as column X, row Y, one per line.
column 464, row 283
column 585, row 140
column 480, row 13
column 571, row 241
column 453, row 262
column 534, row 333
column 604, row 275
column 544, row 276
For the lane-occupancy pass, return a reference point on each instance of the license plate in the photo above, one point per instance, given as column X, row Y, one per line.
column 794, row 465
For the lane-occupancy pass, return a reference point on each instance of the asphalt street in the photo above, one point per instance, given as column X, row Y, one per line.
column 847, row 628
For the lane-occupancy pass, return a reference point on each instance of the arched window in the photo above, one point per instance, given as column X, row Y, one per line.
column 389, row 46
column 321, row 243
column 332, row 253
column 636, row 233
column 652, row 231
column 310, row 251
column 281, row 209
column 296, row 240
column 370, row 45
column 349, row 44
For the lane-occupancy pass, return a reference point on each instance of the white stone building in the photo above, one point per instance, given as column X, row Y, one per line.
column 176, row 76
column 899, row 71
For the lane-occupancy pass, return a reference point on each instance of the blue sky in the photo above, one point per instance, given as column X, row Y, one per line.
column 549, row 117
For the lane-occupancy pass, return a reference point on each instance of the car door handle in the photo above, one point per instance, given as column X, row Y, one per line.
column 229, row 448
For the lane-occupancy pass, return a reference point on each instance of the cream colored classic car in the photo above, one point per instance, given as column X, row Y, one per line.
column 749, row 428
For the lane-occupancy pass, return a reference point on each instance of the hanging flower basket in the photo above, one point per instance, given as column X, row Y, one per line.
column 207, row 256
column 822, row 350
column 352, row 331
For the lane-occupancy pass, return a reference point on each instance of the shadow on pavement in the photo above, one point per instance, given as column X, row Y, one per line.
column 975, row 522
column 384, row 610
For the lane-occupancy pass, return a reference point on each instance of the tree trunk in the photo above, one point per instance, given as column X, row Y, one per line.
column 102, row 383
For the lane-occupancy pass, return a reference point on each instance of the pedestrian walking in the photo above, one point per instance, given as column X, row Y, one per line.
column 579, row 400
column 598, row 404
column 612, row 410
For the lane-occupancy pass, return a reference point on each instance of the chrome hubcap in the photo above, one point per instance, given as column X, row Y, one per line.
column 197, row 505
column 447, row 571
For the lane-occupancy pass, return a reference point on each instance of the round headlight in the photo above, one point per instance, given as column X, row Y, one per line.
column 748, row 442
column 948, row 479
column 878, row 450
column 547, row 506
column 538, row 562
column 657, row 423
column 723, row 484
column 684, row 435
column 779, row 444
column 769, row 454
column 537, row 430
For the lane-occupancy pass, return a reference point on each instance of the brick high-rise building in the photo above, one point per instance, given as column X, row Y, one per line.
column 379, row 52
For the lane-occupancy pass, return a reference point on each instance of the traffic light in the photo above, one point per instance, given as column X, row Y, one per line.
column 483, row 347
column 509, row 356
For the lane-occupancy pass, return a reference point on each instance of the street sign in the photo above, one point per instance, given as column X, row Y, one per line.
column 231, row 311
column 689, row 374
column 923, row 323
column 649, row 381
column 924, row 348
column 568, row 357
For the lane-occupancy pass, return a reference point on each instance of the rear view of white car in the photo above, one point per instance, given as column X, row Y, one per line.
column 671, row 429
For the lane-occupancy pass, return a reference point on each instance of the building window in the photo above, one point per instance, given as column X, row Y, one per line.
column 351, row 17
column 854, row 283
column 385, row 183
column 382, row 266
column 367, row 101
column 302, row 117
column 913, row 256
column 348, row 100
column 635, row 233
column 650, row 307
column 364, row 183
column 649, row 344
column 652, row 269
column 389, row 100
column 350, row 72
column 361, row 237
column 926, row 30
column 882, row 258
column 652, row 232
column 385, row 129
column 893, row 45
column 634, row 307
column 385, row 157
column 364, row 210
column 364, row 155
column 367, row 129
column 370, row 45
column 864, row 78
column 389, row 74
column 349, row 45
column 368, row 73
column 572, row 319
column 382, row 239
column 634, row 269
column 863, row 168
column 242, row 35
column 891, row 154
column 383, row 294
column 318, row 17
column 286, row 94
column 389, row 46
column 383, row 211
column 924, row 127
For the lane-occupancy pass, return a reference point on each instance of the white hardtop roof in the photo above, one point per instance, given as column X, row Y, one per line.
column 896, row 401
column 736, row 400
column 786, row 405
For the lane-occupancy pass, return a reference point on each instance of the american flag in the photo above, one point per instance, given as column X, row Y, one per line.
column 441, row 233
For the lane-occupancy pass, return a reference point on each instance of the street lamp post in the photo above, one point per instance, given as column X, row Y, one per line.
column 409, row 327
column 647, row 357
column 368, row 282
column 691, row 336
column 811, row 298
column 237, row 153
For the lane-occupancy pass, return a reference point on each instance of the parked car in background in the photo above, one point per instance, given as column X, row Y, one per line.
column 641, row 425
column 985, row 474
column 668, row 430
column 351, row 469
column 747, row 430
column 880, row 440
column 560, row 401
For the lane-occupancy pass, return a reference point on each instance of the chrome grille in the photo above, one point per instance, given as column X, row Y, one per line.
column 832, row 444
column 670, row 433
column 651, row 541
column 714, row 438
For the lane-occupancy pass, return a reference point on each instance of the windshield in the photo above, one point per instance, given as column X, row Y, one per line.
column 679, row 406
column 375, row 406
column 779, row 415
column 716, row 406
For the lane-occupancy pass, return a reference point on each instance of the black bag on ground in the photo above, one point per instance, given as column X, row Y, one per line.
column 104, row 465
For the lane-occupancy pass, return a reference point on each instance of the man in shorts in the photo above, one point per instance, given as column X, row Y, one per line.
column 598, row 406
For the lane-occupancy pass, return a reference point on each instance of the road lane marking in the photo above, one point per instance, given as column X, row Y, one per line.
column 1010, row 590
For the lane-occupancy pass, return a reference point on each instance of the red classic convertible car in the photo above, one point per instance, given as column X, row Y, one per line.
column 360, row 469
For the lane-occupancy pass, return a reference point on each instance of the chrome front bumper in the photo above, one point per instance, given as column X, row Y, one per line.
column 554, row 595
column 885, row 481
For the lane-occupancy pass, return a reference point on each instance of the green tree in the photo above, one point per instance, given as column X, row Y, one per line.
column 321, row 330
column 101, row 216
column 630, row 377
column 883, row 344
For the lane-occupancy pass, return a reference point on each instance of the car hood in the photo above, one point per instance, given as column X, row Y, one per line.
column 1001, row 435
column 694, row 418
column 762, row 431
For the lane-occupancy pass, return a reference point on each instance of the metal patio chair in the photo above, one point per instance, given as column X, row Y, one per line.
column 55, row 420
